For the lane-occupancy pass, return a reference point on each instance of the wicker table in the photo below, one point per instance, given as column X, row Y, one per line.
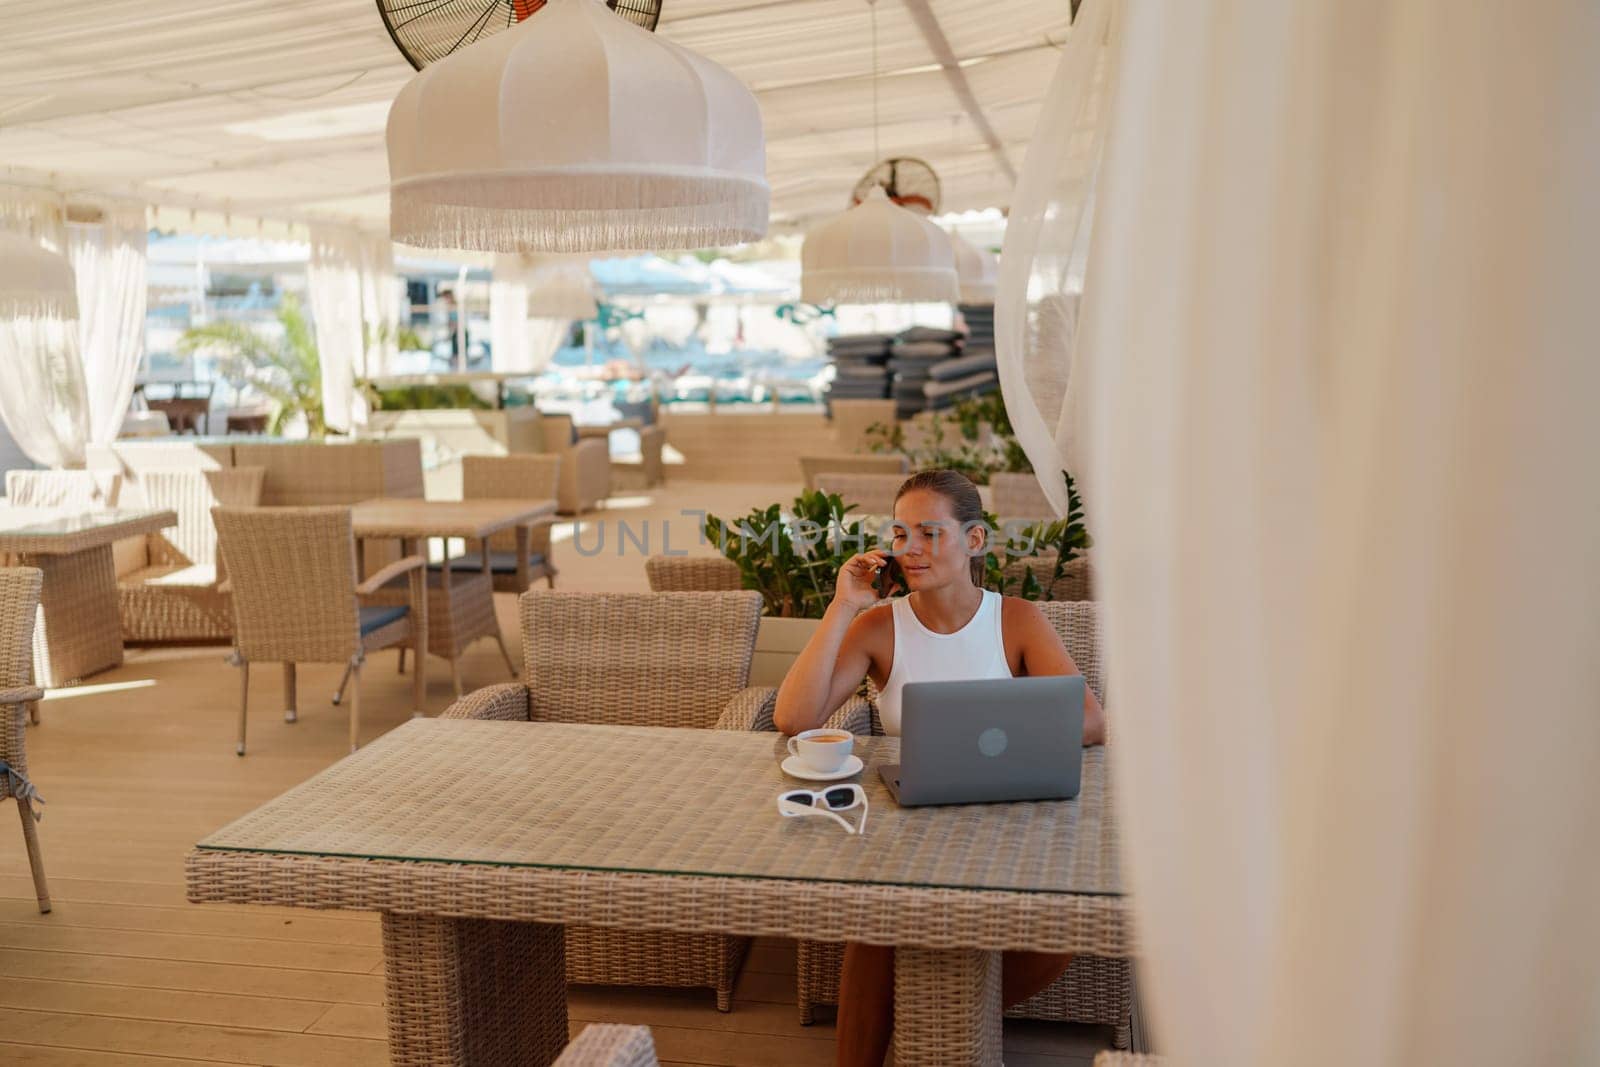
column 479, row 840
column 460, row 608
column 80, row 629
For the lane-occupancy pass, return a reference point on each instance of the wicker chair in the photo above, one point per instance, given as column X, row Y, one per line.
column 63, row 489
column 871, row 494
column 19, row 606
column 1018, row 496
column 295, row 599
column 522, row 477
column 812, row 466
column 175, row 594
column 643, row 659
column 611, row 1045
column 692, row 574
column 1094, row 989
column 1075, row 582
column 585, row 464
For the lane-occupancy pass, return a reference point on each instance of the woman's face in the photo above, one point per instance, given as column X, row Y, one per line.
column 928, row 542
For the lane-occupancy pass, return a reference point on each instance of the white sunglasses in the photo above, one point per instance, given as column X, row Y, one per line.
column 827, row 802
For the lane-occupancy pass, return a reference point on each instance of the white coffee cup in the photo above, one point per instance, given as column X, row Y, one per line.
column 824, row 751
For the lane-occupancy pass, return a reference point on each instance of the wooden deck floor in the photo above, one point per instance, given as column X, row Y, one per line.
column 139, row 765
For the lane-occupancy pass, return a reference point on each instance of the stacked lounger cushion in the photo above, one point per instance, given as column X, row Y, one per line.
column 860, row 366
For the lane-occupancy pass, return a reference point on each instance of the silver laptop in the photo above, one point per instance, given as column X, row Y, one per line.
column 994, row 740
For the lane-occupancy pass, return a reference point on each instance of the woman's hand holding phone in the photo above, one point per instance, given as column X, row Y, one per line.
column 862, row 578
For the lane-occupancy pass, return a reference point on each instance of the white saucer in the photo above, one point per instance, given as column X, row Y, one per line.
column 796, row 769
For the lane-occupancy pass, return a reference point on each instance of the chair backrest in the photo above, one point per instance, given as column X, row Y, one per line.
column 192, row 493
column 640, row 659
column 19, row 606
column 311, row 473
column 1018, row 496
column 560, row 432
column 869, row 493
column 294, row 582
column 692, row 574
column 812, row 466
column 63, row 489
column 520, row 477
column 1078, row 624
column 852, row 418
column 1075, row 582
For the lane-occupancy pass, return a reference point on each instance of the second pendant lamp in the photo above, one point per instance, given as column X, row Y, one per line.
column 877, row 252
column 576, row 131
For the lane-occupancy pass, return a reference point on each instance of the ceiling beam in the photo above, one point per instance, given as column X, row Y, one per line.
column 933, row 34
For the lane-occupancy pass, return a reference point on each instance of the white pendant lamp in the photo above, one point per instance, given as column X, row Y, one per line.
column 877, row 253
column 576, row 131
column 562, row 291
column 976, row 270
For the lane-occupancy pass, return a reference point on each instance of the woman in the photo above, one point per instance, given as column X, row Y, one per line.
column 947, row 628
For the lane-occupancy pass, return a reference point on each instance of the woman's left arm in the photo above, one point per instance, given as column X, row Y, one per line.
column 1043, row 654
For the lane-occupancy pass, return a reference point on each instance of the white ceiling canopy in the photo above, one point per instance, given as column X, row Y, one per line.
column 276, row 110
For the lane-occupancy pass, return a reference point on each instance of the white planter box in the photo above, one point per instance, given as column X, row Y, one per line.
column 778, row 642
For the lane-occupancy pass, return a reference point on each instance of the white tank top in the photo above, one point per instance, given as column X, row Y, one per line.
column 974, row 652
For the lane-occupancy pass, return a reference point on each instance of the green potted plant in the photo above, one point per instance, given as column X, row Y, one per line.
column 286, row 370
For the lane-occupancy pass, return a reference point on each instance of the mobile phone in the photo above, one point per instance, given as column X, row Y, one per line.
column 890, row 580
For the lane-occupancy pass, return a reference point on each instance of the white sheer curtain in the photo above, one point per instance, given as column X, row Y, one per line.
column 355, row 308
column 1334, row 382
column 1041, row 268
column 523, row 342
column 43, row 399
column 110, row 265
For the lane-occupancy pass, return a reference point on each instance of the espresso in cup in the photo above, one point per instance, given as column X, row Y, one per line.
column 824, row 751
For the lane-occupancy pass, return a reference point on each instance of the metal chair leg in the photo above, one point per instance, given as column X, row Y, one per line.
column 291, row 708
column 338, row 695
column 30, row 837
column 455, row 676
column 501, row 641
column 244, row 700
column 355, row 705
column 402, row 663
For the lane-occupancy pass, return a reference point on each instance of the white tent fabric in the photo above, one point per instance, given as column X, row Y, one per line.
column 43, row 400
column 508, row 314
column 355, row 308
column 277, row 110
column 1037, row 301
column 521, row 342
column 1336, row 375
column 111, row 269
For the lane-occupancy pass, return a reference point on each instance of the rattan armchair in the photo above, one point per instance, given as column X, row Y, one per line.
column 518, row 477
column 863, row 494
column 692, row 574
column 1018, row 496
column 1075, row 582
column 642, row 659
column 1094, row 989
column 611, row 1045
column 174, row 593
column 296, row 600
column 19, row 606
column 812, row 466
